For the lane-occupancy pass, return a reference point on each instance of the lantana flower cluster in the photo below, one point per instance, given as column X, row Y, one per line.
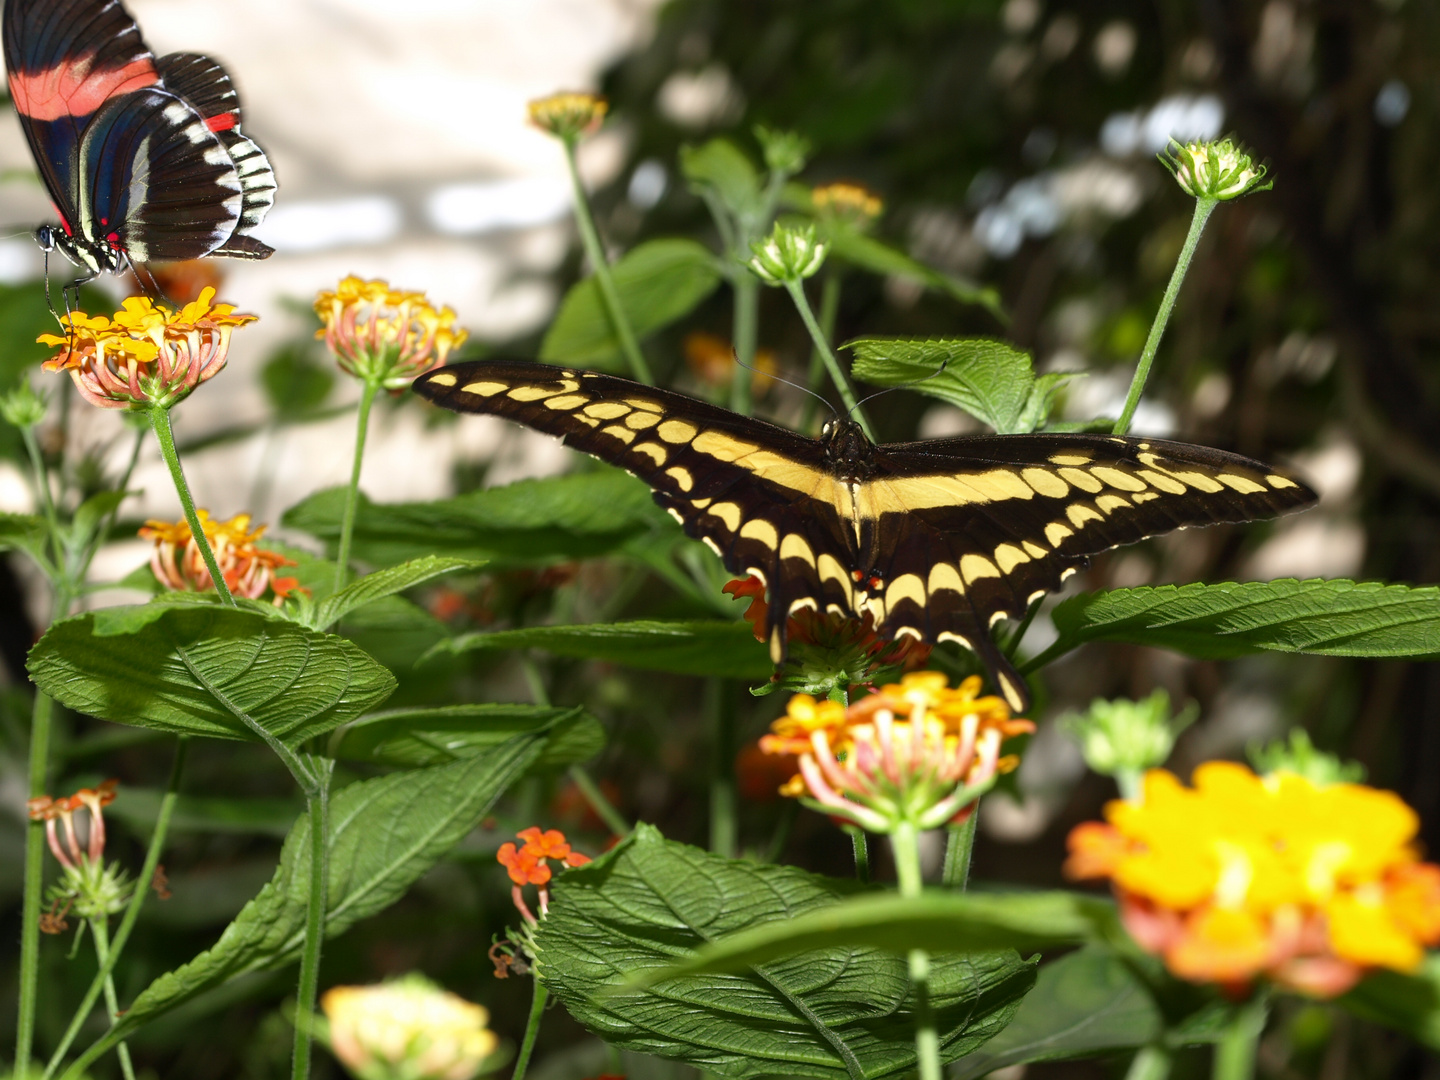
column 1309, row 885
column 146, row 355
column 529, row 865
column 385, row 335
column 407, row 1028
column 568, row 114
column 88, row 885
column 248, row 569
column 853, row 204
column 915, row 752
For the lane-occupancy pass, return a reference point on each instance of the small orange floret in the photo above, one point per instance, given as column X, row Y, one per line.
column 550, row 844
column 524, row 866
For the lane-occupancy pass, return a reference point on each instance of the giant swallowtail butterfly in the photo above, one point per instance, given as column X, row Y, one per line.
column 939, row 540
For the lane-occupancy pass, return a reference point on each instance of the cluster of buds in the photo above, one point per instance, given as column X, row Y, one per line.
column 788, row 255
column 568, row 115
column 1123, row 738
column 407, row 1029
column 848, row 204
column 785, row 152
column 528, row 865
column 22, row 407
column 93, row 889
column 249, row 570
column 915, row 753
column 146, row 356
column 1214, row 170
column 383, row 335
column 828, row 654
column 1241, row 877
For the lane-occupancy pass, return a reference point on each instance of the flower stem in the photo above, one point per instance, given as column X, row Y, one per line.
column 723, row 830
column 745, row 331
column 101, row 934
column 603, row 807
column 829, row 312
column 42, row 489
column 40, row 716
column 959, row 845
column 316, row 904
column 1235, row 1052
column 796, row 289
column 532, row 1029
column 860, row 842
column 1151, row 1063
column 1203, row 208
column 609, row 295
column 137, row 901
column 352, row 493
column 905, row 841
column 160, row 423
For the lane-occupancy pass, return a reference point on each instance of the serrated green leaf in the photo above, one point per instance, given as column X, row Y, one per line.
column 696, row 647
column 659, row 282
column 526, row 523
column 842, row 1012
column 420, row 737
column 192, row 669
column 1229, row 619
column 720, row 169
column 1406, row 1003
column 383, row 583
column 879, row 257
column 940, row 921
column 384, row 833
column 990, row 380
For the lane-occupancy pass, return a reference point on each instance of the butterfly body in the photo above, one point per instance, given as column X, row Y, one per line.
column 936, row 540
column 142, row 157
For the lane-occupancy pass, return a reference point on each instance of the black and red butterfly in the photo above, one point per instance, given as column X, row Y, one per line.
column 143, row 157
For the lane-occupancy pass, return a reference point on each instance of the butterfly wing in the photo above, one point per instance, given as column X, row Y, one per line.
column 207, row 88
column 65, row 60
column 967, row 531
column 757, row 494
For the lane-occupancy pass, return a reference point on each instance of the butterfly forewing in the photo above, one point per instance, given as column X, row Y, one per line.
column 936, row 540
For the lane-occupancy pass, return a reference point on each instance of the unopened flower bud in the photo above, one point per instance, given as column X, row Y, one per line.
column 1298, row 755
column 1214, row 170
column 23, row 407
column 787, row 255
column 1123, row 738
column 407, row 1028
column 568, row 115
column 785, row 151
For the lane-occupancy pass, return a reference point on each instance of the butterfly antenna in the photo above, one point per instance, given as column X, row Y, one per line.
column 881, row 393
column 787, row 382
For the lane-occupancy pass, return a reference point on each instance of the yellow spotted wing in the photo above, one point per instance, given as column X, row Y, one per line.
column 937, row 540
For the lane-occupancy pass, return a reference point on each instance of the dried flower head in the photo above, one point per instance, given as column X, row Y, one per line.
column 384, row 335
column 146, row 355
column 248, row 569
column 407, row 1028
column 1241, row 876
column 1214, row 170
column 88, row 885
column 569, row 114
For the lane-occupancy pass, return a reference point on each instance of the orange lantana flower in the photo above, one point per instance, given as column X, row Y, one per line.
column 248, row 569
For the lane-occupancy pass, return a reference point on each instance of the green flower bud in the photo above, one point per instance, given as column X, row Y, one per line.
column 23, row 407
column 785, row 151
column 1123, row 738
column 1214, row 170
column 787, row 255
column 1300, row 757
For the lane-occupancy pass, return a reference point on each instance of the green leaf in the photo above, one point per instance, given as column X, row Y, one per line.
column 659, row 282
column 719, row 169
column 23, row 532
column 90, row 513
column 1229, row 619
column 940, row 921
column 190, row 668
column 416, row 738
column 295, row 383
column 878, row 257
column 700, row 647
column 839, row 1012
column 1406, row 1003
column 526, row 523
column 988, row 379
column 384, row 583
column 383, row 835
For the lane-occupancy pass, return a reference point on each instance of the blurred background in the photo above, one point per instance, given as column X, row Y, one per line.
column 1014, row 145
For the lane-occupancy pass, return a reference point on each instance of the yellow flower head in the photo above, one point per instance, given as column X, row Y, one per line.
column 248, row 569
column 853, row 204
column 385, row 335
column 407, row 1027
column 568, row 115
column 147, row 355
column 1309, row 884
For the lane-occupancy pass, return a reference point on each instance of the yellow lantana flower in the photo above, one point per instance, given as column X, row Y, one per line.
column 385, row 335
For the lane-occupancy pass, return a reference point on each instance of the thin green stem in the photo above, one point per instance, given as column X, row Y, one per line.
column 137, row 901
column 829, row 313
column 101, row 935
column 959, row 846
column 745, row 331
column 905, row 841
column 603, row 807
column 352, row 493
column 42, row 488
column 316, row 905
column 1151, row 1063
column 860, row 843
column 796, row 289
column 1203, row 209
column 1235, row 1052
column 724, row 830
column 789, row 811
column 532, row 1029
column 600, row 266
column 160, row 424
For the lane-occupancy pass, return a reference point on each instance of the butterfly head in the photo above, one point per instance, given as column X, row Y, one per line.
column 848, row 452
column 94, row 258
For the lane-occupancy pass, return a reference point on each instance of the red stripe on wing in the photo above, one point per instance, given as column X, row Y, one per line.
column 75, row 89
column 223, row 122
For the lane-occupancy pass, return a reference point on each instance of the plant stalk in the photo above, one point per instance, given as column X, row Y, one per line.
column 829, row 313
column 101, row 934
column 1151, row 1063
column 316, row 906
column 860, row 843
column 1235, row 1052
column 603, row 807
column 745, row 331
column 1203, row 209
column 959, row 846
column 600, row 266
column 160, row 423
column 352, row 493
column 796, row 289
column 532, row 1029
column 723, row 828
column 905, row 841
